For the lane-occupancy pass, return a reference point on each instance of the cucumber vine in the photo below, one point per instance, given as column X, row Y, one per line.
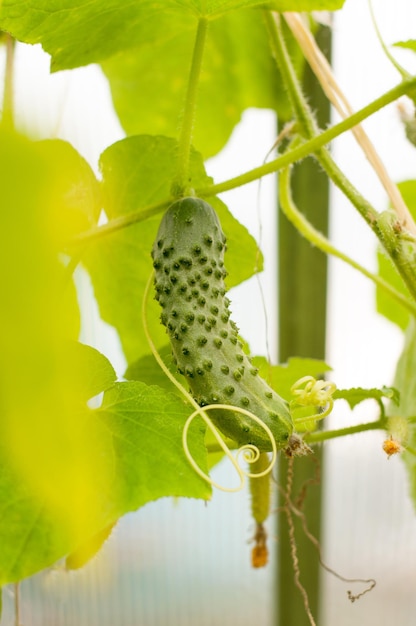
column 203, row 391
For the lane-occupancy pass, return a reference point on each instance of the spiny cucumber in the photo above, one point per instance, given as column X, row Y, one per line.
column 188, row 259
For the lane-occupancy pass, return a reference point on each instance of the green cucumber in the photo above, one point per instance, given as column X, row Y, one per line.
column 188, row 259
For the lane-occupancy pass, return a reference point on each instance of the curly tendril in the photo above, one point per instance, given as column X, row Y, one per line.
column 311, row 392
column 250, row 452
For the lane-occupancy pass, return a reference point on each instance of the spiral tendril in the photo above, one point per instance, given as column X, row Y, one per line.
column 249, row 452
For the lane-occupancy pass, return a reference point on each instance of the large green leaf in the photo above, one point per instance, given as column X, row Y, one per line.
column 137, row 172
column 135, row 456
column 148, row 82
column 405, row 382
column 146, row 425
column 385, row 303
column 78, row 32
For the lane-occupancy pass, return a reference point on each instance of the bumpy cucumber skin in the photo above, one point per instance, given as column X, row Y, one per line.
column 188, row 259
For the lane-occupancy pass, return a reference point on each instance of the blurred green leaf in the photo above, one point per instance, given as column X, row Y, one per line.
column 46, row 445
column 135, row 455
column 89, row 549
column 410, row 44
column 138, row 171
column 72, row 180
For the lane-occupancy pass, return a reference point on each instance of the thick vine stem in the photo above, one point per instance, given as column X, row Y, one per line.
column 312, row 145
column 302, row 151
column 181, row 184
column 335, row 95
column 320, row 241
column 402, row 258
column 324, row 435
column 307, row 121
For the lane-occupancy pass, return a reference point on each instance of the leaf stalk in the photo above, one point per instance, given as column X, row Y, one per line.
column 181, row 184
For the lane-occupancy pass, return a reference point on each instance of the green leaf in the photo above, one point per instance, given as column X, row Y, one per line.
column 134, row 449
column 90, row 372
column 74, row 183
column 405, row 381
column 147, row 370
column 89, row 549
column 78, row 32
column 385, row 304
column 148, row 82
column 282, row 377
column 146, row 424
column 410, row 44
column 48, row 481
column 137, row 172
column 355, row 395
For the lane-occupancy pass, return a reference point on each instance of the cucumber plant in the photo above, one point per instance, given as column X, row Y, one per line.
column 70, row 479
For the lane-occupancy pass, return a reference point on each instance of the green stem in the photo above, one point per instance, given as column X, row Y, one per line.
column 297, row 154
column 306, row 121
column 181, row 184
column 386, row 51
column 300, row 222
column 311, row 146
column 117, row 223
column 388, row 235
column 324, row 435
column 8, row 101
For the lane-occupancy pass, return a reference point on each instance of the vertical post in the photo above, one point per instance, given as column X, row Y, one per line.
column 302, row 326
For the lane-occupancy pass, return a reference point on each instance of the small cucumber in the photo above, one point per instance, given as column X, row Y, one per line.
column 188, row 259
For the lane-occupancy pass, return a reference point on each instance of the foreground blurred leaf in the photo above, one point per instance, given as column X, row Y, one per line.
column 135, row 455
column 89, row 549
column 61, row 480
column 77, row 32
column 138, row 171
column 410, row 44
column 73, row 181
